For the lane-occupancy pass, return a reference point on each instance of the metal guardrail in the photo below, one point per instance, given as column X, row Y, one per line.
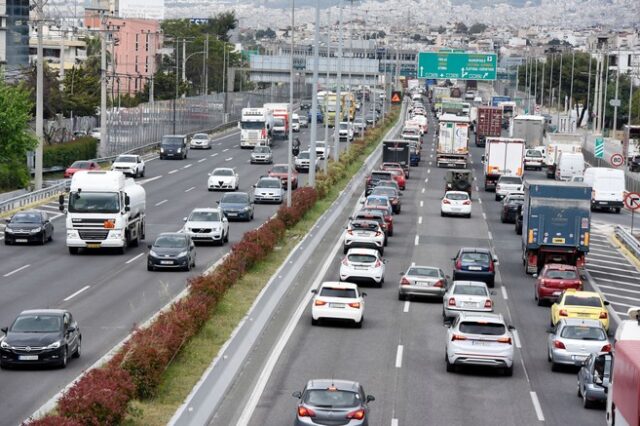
column 32, row 197
column 628, row 240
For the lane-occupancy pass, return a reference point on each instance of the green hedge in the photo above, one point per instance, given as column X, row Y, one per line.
column 64, row 154
column 14, row 175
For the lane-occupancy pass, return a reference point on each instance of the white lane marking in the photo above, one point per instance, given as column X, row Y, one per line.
column 187, row 166
column 8, row 274
column 426, row 180
column 516, row 337
column 417, row 240
column 399, row 356
column 134, row 258
column 394, row 422
column 190, row 189
column 420, row 220
column 406, row 306
column 237, row 145
column 142, row 182
column 173, row 171
column 480, row 200
column 213, row 155
column 421, row 203
column 423, row 190
column 228, row 159
column 484, row 216
column 225, row 150
column 504, row 293
column 537, row 406
column 201, row 160
column 161, row 202
column 428, row 170
column 76, row 293
column 490, row 235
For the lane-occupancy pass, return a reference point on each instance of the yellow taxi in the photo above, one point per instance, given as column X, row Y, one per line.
column 580, row 304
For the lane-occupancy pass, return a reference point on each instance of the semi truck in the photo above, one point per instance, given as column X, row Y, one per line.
column 489, row 124
column 556, row 221
column 397, row 151
column 453, row 141
column 557, row 143
column 256, row 125
column 502, row 156
column 623, row 392
column 105, row 210
column 281, row 119
column 531, row 128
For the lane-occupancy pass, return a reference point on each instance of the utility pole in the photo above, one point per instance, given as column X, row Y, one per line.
column 542, row 85
column 604, row 92
column 184, row 62
column 559, row 91
column 206, row 66
column 103, row 87
column 325, row 163
column 39, row 98
column 573, row 64
column 62, row 36
column 175, row 98
column 615, row 107
column 314, row 101
column 152, row 69
column 596, row 96
column 551, row 84
column 290, row 147
column 588, row 104
column 338, row 117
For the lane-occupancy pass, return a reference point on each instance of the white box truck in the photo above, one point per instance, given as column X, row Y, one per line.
column 531, row 128
column 557, row 143
column 256, row 125
column 453, row 141
column 502, row 156
column 105, row 210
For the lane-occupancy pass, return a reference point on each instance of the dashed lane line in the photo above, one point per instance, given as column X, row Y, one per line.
column 399, row 353
column 406, row 306
column 86, row 287
column 173, row 171
column 133, row 259
column 8, row 274
column 161, row 202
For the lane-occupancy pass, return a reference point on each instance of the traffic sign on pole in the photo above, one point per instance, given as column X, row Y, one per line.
column 598, row 150
column 617, row 160
column 632, row 200
column 464, row 66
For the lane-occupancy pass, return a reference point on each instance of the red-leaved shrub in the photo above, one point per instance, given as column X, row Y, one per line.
column 53, row 421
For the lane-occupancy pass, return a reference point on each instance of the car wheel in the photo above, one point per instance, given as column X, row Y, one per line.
column 402, row 296
column 345, row 249
column 469, row 216
column 381, row 250
column 315, row 321
column 497, row 197
column 64, row 358
column 502, row 219
column 225, row 239
column 441, row 213
column 491, row 284
column 73, row 250
column 50, row 236
column 508, row 371
column 385, row 241
column 391, row 232
column 579, row 391
column 78, row 350
column 43, row 239
column 554, row 366
column 3, row 365
column 7, row 242
column 359, row 324
column 450, row 367
column 150, row 267
column 617, row 211
column 586, row 403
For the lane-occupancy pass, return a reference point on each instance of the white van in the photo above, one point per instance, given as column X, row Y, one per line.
column 629, row 329
column 570, row 164
column 607, row 187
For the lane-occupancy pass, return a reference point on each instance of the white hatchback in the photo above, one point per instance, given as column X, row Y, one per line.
column 129, row 164
column 360, row 264
column 455, row 203
column 365, row 234
column 223, row 178
column 339, row 301
column 466, row 296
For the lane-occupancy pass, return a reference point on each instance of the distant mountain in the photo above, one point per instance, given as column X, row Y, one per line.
column 279, row 4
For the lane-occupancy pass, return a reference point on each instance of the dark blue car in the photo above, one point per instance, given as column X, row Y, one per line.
column 318, row 114
column 237, row 206
column 475, row 264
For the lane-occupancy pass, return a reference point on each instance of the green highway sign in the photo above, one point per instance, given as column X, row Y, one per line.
column 599, row 147
column 463, row 66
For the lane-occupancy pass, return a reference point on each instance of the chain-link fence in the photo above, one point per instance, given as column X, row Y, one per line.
column 131, row 128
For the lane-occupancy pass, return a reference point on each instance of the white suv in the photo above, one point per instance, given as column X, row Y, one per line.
column 533, row 159
column 364, row 234
column 508, row 184
column 362, row 264
column 207, row 225
column 132, row 165
column 481, row 339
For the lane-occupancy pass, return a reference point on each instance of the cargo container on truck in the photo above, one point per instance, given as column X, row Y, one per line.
column 557, row 143
column 502, row 156
column 453, row 141
column 397, row 151
column 556, row 221
column 105, row 210
column 256, row 125
column 531, row 128
column 281, row 119
column 623, row 392
column 489, row 124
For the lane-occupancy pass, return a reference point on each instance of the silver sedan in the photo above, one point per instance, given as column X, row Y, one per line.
column 426, row 281
column 466, row 296
column 572, row 340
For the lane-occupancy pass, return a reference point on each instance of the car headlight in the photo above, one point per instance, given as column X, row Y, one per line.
column 54, row 345
column 179, row 150
column 153, row 253
column 36, row 230
column 247, row 208
column 72, row 234
column 8, row 230
column 114, row 235
column 4, row 345
column 162, row 150
column 182, row 254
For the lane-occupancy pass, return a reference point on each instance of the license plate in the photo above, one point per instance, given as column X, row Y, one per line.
column 166, row 262
column 475, row 268
column 232, row 214
column 336, row 305
column 455, row 209
column 469, row 304
column 558, row 240
column 423, row 283
column 479, row 343
column 557, row 293
column 93, row 245
column 363, row 234
column 21, row 240
column 28, row 357
column 578, row 357
column 360, row 268
column 602, row 202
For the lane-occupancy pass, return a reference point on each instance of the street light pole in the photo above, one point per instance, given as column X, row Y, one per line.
column 338, row 116
column 314, row 101
column 39, row 99
column 290, row 148
column 175, row 99
column 325, row 164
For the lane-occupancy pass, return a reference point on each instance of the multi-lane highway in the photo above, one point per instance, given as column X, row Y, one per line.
column 108, row 293
column 398, row 355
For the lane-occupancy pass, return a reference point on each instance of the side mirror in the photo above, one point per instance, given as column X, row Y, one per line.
column 184, row 219
column 297, row 394
column 550, row 329
column 371, row 398
column 127, row 201
column 447, row 324
column 127, row 208
column 314, row 291
column 61, row 202
column 4, row 329
column 239, row 126
column 363, row 294
column 71, row 328
column 606, row 303
column 495, row 260
column 149, row 246
column 218, row 202
column 511, row 328
column 254, row 185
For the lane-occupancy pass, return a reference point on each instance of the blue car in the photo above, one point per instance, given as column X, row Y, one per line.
column 475, row 264
column 237, row 206
column 319, row 115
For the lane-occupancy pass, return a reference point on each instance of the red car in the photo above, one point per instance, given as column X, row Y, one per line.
column 398, row 176
column 554, row 279
column 80, row 165
column 388, row 219
column 392, row 166
column 281, row 172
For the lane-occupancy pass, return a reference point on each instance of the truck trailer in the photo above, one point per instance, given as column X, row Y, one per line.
column 623, row 393
column 453, row 141
column 531, row 128
column 489, row 124
column 502, row 156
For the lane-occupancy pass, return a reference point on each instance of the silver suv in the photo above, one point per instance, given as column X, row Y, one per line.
column 268, row 190
column 261, row 154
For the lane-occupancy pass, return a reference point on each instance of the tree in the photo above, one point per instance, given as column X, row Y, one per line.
column 477, row 28
column 268, row 33
column 17, row 139
column 51, row 91
column 81, row 93
column 461, row 28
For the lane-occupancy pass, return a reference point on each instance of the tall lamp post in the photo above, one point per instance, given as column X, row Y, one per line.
column 314, row 101
column 291, row 82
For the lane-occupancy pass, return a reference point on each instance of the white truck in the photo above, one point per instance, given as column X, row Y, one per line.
column 256, row 125
column 557, row 143
column 502, row 156
column 281, row 118
column 105, row 210
column 531, row 128
column 453, row 141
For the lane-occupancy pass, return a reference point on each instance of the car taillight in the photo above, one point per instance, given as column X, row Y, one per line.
column 606, row 348
column 458, row 264
column 439, row 284
column 405, row 281
column 452, row 301
column 558, row 344
column 356, row 415
column 378, row 233
column 355, row 305
column 305, row 412
column 491, row 267
column 378, row 263
column 445, row 201
column 506, row 340
column 350, row 232
column 319, row 303
column 457, row 337
column 563, row 313
column 387, row 218
column 604, row 315
column 466, row 203
column 488, row 303
column 345, row 261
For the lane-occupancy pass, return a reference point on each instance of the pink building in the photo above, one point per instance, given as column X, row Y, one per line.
column 137, row 44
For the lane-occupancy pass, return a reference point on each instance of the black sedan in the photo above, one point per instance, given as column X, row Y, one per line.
column 41, row 336
column 172, row 250
column 30, row 226
column 237, row 206
column 510, row 207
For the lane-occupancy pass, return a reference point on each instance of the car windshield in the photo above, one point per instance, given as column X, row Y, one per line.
column 269, row 183
column 170, row 241
column 126, row 159
column 262, row 149
column 482, row 327
column 385, row 190
column 424, row 272
column 387, row 183
column 80, row 165
column 303, row 156
column 252, row 125
column 364, row 226
column 235, row 198
column 471, row 290
column 534, row 153
column 26, row 218
column 278, row 122
column 583, row 333
column 482, row 258
column 320, row 145
column 377, row 201
column 222, row 172
column 327, row 398
column 361, row 258
column 349, row 293
column 410, row 131
column 172, row 141
column 457, row 197
column 37, row 324
column 593, row 302
column 200, row 136
column 94, row 202
column 280, row 169
column 510, row 180
column 204, row 217
column 379, row 175
column 561, row 274
column 518, row 199
column 344, row 126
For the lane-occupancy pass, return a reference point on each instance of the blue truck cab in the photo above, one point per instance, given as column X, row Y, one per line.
column 556, row 223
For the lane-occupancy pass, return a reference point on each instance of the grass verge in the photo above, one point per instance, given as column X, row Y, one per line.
column 187, row 368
